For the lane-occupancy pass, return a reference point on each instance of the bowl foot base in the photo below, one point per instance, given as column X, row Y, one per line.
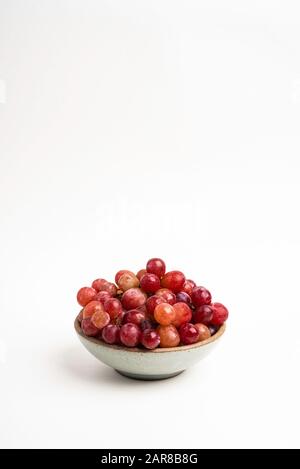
column 148, row 377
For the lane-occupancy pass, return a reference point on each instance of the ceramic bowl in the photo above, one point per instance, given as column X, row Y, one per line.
column 159, row 363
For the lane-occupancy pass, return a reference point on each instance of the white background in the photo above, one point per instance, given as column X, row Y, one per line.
column 133, row 129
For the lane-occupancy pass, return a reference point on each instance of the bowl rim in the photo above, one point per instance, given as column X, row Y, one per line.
column 180, row 348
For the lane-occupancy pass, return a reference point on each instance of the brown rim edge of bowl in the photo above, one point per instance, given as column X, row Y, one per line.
column 181, row 348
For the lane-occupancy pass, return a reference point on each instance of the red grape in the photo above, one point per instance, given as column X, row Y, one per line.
column 203, row 314
column 169, row 336
column 91, row 309
column 150, row 283
column 85, row 295
column 120, row 273
column 156, row 266
column 220, row 314
column 133, row 298
column 188, row 334
column 183, row 314
column 183, row 297
column 111, row 334
column 201, row 296
column 164, row 314
column 113, row 307
column 100, row 319
column 173, row 280
column 204, row 332
column 128, row 280
column 88, row 328
column 142, row 308
column 150, row 339
column 152, row 302
column 110, row 288
column 134, row 316
column 102, row 296
column 167, row 295
column 188, row 286
column 130, row 334
column 98, row 283
column 141, row 273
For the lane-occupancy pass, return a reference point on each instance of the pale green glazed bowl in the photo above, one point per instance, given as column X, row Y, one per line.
column 154, row 364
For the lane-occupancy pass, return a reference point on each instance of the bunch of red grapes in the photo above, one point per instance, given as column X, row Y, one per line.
column 150, row 309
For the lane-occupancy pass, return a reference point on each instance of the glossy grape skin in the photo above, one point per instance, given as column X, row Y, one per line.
column 220, row 314
column 99, row 283
column 130, row 335
column 213, row 329
column 173, row 280
column 127, row 281
column 204, row 332
column 156, row 266
column 102, row 296
column 141, row 273
column 100, row 319
column 134, row 316
column 88, row 328
column 183, row 297
column 188, row 286
column 150, row 283
column 203, row 314
column 91, row 308
column 150, row 339
column 142, row 308
column 113, row 307
column 188, row 334
column 110, row 288
column 167, row 295
column 111, row 334
column 152, row 302
column 133, row 298
column 201, row 296
column 120, row 273
column 85, row 295
column 183, row 314
column 164, row 314
column 169, row 336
